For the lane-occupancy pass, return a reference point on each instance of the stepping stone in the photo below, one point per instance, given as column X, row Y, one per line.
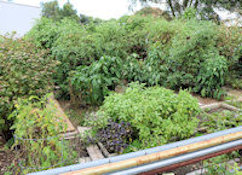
column 94, row 152
column 103, row 149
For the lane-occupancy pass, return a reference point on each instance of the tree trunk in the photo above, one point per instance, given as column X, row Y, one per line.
column 171, row 6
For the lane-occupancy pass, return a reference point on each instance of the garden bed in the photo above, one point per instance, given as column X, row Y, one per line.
column 212, row 110
column 98, row 150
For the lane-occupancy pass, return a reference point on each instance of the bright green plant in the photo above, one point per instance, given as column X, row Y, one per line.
column 37, row 131
column 24, row 71
column 95, row 81
column 157, row 115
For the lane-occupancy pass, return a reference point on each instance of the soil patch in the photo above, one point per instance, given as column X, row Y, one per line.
column 6, row 159
column 205, row 101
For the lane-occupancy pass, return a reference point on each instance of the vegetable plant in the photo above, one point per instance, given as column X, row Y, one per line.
column 93, row 82
column 157, row 115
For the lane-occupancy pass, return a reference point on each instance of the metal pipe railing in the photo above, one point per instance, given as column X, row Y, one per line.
column 179, row 159
column 129, row 163
column 137, row 154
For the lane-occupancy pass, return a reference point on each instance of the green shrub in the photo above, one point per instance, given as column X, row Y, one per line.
column 156, row 114
column 93, row 82
column 44, row 33
column 153, row 50
column 211, row 76
column 189, row 47
column 72, row 48
column 229, row 45
column 37, row 134
column 24, row 71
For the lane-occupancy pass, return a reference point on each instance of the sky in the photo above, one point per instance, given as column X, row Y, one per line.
column 104, row 9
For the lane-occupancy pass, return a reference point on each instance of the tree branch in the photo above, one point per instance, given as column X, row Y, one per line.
column 196, row 4
column 171, row 6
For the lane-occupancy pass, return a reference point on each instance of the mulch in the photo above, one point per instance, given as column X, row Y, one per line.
column 6, row 159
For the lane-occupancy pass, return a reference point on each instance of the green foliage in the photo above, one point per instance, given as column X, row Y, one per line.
column 190, row 13
column 39, row 137
column 218, row 165
column 53, row 11
column 44, row 33
column 154, row 51
column 218, row 121
column 155, row 12
column 72, row 48
column 94, row 81
column 156, row 114
column 229, row 45
column 24, row 71
column 211, row 77
column 188, row 52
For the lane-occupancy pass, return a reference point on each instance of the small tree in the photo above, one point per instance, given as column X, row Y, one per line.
column 52, row 10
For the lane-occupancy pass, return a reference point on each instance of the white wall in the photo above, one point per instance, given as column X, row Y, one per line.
column 17, row 17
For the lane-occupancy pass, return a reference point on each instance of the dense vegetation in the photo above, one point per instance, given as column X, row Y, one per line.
column 25, row 71
column 83, row 62
column 37, row 134
column 175, row 54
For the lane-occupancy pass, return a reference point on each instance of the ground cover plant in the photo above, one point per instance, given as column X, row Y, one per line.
column 221, row 120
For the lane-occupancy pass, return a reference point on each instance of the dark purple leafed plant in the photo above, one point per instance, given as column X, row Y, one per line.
column 116, row 136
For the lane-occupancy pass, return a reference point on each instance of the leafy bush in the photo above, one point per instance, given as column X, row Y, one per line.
column 156, row 114
column 38, row 139
column 44, row 33
column 211, row 76
column 153, row 50
column 52, row 10
column 72, row 48
column 188, row 52
column 94, row 81
column 115, row 136
column 24, row 71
